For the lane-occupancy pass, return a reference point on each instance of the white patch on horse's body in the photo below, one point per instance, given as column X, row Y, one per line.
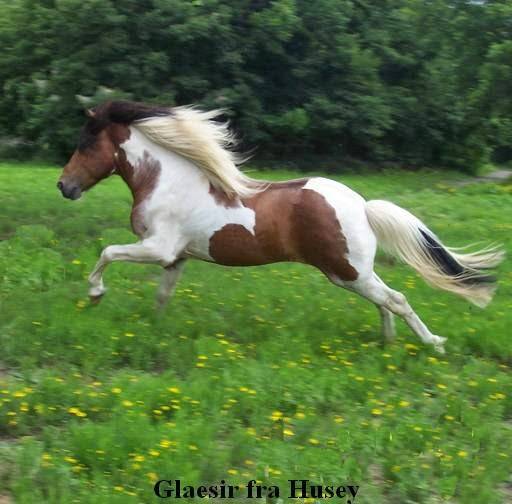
column 189, row 218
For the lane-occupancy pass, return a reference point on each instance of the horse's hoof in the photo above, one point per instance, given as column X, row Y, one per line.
column 439, row 345
column 439, row 349
column 95, row 299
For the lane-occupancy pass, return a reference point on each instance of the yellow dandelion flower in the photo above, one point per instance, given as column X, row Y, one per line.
column 129, row 334
column 193, row 447
column 174, row 390
column 313, row 441
column 462, row 453
column 154, row 453
column 276, row 415
column 376, row 411
column 288, row 432
column 441, row 386
column 116, row 390
column 404, row 404
column 152, row 476
column 127, row 404
column 233, row 472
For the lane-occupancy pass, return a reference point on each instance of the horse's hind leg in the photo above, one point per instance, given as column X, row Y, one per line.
column 387, row 318
column 376, row 291
column 168, row 283
column 387, row 323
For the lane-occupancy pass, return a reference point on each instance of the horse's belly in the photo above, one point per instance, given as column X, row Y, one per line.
column 235, row 245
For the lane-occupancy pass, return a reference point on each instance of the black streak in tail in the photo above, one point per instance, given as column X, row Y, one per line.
column 449, row 265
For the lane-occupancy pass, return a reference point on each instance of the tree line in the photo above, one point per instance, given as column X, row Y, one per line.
column 414, row 82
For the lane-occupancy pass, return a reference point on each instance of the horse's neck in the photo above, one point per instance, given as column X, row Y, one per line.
column 165, row 171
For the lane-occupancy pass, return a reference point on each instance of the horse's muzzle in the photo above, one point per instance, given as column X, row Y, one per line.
column 71, row 192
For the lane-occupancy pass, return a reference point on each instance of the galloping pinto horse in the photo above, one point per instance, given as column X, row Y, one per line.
column 190, row 200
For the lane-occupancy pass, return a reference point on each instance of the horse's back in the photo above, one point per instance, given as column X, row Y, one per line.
column 316, row 221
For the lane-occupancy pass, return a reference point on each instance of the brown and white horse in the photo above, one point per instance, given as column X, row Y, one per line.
column 190, row 200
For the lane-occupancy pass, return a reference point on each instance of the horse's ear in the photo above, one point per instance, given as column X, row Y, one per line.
column 90, row 113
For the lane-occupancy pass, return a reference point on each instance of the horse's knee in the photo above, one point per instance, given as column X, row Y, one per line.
column 398, row 298
column 107, row 254
column 397, row 303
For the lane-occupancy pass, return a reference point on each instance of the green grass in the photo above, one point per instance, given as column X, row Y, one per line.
column 269, row 373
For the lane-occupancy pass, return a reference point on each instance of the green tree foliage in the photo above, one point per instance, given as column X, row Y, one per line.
column 405, row 80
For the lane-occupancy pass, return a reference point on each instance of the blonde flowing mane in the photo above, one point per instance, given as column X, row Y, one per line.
column 195, row 135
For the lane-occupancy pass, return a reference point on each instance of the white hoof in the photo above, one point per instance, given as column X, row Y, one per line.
column 438, row 343
column 96, row 293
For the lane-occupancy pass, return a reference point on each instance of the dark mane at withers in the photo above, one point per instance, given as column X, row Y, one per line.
column 120, row 112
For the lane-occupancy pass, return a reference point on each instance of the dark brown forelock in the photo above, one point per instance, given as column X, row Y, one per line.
column 120, row 112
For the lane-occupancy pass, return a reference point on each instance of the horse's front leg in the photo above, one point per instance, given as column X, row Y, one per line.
column 146, row 251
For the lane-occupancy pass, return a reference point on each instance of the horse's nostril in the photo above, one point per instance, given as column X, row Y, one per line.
column 60, row 185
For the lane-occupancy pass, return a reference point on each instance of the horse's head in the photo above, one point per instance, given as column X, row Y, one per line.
column 97, row 154
column 95, row 157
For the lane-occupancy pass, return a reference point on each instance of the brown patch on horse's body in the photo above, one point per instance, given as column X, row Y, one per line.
column 142, row 180
column 292, row 224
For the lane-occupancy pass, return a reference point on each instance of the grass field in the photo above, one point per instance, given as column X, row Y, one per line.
column 266, row 373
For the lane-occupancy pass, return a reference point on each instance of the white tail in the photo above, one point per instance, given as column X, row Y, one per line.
column 402, row 234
